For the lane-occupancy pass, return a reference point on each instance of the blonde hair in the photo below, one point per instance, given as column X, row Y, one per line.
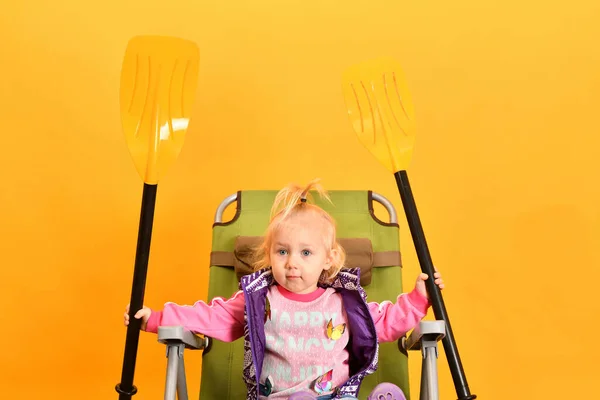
column 294, row 200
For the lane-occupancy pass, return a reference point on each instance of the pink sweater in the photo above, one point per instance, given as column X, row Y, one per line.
column 298, row 347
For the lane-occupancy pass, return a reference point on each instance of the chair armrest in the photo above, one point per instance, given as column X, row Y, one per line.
column 176, row 334
column 432, row 331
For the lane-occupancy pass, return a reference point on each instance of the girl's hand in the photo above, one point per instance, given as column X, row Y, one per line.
column 144, row 314
column 420, row 285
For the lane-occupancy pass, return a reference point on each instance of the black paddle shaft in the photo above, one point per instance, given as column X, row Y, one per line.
column 126, row 389
column 437, row 302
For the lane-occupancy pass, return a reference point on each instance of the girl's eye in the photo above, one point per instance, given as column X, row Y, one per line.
column 282, row 252
column 306, row 252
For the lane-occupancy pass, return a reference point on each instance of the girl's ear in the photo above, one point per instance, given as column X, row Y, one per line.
column 331, row 258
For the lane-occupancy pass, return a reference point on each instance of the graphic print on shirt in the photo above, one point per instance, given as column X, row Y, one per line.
column 334, row 333
column 300, row 353
column 323, row 383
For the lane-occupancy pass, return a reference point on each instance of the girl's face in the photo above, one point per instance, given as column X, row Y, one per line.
column 298, row 253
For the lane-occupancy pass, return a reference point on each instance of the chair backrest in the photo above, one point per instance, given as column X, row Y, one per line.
column 355, row 218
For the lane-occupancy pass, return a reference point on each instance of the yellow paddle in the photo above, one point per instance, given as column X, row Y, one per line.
column 158, row 86
column 381, row 112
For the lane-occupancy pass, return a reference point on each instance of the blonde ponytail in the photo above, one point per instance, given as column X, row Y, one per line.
column 293, row 196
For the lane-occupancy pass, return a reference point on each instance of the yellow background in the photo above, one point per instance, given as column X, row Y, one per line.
column 505, row 174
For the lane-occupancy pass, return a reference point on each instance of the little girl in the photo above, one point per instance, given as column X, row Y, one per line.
column 309, row 331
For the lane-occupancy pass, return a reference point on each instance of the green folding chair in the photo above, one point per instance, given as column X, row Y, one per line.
column 368, row 239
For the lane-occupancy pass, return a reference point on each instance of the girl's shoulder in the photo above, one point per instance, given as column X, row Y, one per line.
column 329, row 291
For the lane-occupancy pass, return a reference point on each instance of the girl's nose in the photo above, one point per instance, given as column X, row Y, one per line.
column 292, row 261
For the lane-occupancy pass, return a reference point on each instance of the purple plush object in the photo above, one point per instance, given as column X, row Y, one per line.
column 386, row 391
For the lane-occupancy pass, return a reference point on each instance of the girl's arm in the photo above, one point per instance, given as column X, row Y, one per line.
column 392, row 321
column 220, row 319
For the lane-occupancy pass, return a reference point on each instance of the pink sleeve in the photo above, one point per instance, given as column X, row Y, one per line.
column 220, row 319
column 392, row 321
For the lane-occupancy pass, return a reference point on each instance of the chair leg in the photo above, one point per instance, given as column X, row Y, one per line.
column 174, row 372
column 429, row 375
column 182, row 393
column 423, row 395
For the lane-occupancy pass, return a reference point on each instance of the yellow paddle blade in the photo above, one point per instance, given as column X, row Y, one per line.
column 381, row 111
column 158, row 86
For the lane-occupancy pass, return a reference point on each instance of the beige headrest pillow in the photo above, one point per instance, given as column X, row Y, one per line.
column 359, row 254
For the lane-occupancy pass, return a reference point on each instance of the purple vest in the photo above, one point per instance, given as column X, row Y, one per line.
column 363, row 358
